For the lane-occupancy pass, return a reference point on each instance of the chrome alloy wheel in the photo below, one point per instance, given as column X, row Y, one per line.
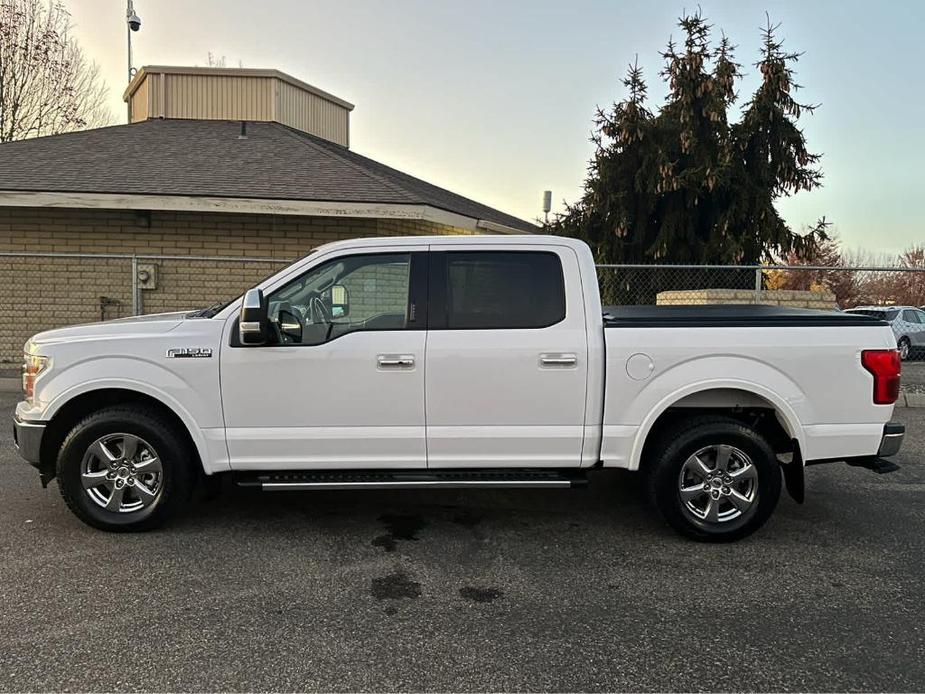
column 122, row 473
column 718, row 484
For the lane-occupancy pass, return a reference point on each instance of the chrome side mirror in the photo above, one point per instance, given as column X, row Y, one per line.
column 253, row 322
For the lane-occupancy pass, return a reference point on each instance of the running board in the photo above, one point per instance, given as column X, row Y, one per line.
column 413, row 479
column 879, row 465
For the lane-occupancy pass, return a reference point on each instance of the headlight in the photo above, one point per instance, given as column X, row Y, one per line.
column 32, row 366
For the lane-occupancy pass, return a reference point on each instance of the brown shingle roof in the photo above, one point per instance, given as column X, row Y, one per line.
column 207, row 158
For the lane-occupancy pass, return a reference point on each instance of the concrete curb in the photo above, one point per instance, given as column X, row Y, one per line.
column 911, row 400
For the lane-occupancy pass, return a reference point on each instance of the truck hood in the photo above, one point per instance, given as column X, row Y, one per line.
column 120, row 327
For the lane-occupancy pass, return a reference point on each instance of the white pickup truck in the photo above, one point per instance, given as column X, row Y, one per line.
column 456, row 362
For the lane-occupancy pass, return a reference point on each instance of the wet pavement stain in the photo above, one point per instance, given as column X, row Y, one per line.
column 467, row 518
column 398, row 527
column 395, row 586
column 387, row 542
column 476, row 594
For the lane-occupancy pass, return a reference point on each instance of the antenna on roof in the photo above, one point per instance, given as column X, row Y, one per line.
column 547, row 204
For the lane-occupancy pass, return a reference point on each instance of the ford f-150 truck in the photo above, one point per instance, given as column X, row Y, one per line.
column 456, row 362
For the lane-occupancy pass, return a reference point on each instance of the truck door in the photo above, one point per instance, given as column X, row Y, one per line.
column 349, row 393
column 506, row 357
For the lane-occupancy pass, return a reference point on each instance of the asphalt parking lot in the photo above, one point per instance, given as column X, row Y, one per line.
column 476, row 590
column 913, row 379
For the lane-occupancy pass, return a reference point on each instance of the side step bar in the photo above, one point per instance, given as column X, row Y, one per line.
column 413, row 479
column 876, row 464
column 869, row 462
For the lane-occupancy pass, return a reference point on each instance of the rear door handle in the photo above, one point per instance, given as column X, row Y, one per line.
column 558, row 360
column 395, row 361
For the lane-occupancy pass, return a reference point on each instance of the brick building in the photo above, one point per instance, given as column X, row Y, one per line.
column 216, row 164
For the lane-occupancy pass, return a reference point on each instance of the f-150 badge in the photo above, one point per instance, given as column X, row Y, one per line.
column 190, row 352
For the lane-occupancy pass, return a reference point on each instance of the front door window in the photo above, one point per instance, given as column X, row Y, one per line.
column 342, row 296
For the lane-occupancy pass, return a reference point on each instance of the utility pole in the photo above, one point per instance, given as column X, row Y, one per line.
column 132, row 23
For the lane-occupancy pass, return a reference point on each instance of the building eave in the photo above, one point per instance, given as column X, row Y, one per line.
column 303, row 208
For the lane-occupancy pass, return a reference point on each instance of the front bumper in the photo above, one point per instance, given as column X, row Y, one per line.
column 27, row 437
column 892, row 441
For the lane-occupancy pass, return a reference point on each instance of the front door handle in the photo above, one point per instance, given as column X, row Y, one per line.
column 558, row 360
column 395, row 361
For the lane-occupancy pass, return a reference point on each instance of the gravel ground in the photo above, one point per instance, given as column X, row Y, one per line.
column 476, row 590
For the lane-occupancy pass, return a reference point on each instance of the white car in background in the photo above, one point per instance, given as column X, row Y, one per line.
column 907, row 322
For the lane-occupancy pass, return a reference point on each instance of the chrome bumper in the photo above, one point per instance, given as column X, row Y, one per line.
column 892, row 441
column 27, row 437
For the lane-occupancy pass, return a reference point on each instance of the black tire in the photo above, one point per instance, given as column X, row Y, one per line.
column 175, row 482
column 677, row 445
column 905, row 347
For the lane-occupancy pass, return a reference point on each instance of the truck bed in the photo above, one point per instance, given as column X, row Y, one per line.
column 729, row 316
column 804, row 364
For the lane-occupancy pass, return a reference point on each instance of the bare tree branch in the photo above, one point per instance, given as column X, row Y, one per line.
column 47, row 84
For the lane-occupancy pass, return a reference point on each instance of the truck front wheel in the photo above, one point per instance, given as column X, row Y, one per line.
column 124, row 468
column 714, row 479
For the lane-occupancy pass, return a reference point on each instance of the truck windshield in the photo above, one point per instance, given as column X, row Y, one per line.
column 216, row 308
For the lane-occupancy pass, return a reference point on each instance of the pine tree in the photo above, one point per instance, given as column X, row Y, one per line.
column 614, row 215
column 685, row 185
column 775, row 159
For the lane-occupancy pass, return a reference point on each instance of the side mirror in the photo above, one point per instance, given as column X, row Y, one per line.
column 340, row 301
column 253, row 322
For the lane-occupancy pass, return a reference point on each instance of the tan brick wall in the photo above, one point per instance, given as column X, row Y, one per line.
column 773, row 297
column 378, row 289
column 41, row 293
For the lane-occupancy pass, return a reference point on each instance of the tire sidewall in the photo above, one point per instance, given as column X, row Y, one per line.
column 168, row 446
column 664, row 480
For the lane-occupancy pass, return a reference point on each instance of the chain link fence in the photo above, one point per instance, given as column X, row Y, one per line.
column 806, row 286
column 40, row 290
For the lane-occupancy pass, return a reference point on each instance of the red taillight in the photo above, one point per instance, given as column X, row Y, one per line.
column 884, row 364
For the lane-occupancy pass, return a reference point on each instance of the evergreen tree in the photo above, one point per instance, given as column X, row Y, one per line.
column 615, row 214
column 685, row 185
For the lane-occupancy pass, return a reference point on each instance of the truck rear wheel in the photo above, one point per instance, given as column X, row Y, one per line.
column 124, row 469
column 714, row 479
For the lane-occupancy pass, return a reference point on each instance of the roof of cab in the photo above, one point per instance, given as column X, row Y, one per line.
column 500, row 240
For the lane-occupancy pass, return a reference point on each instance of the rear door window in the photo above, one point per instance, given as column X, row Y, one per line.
column 490, row 290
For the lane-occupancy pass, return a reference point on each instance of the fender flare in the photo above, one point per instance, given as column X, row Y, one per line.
column 142, row 388
column 781, row 406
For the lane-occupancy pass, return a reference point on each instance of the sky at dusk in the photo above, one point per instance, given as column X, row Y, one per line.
column 494, row 100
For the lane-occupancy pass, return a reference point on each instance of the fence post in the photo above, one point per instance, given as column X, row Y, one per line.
column 757, row 285
column 135, row 307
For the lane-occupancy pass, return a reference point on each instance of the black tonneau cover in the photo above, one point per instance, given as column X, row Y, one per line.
column 728, row 316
